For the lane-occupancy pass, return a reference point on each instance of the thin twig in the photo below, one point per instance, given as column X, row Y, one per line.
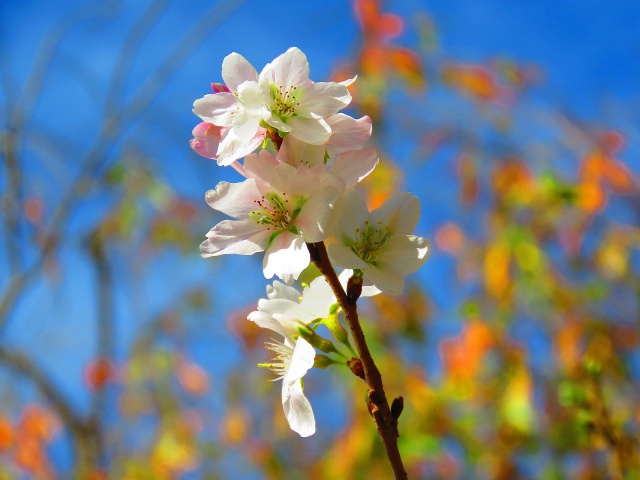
column 384, row 420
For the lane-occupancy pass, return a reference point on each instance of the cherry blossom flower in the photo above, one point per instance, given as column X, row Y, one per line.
column 380, row 243
column 293, row 359
column 238, row 109
column 296, row 105
column 276, row 209
column 285, row 309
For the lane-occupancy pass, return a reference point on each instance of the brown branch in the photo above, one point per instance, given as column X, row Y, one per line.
column 385, row 421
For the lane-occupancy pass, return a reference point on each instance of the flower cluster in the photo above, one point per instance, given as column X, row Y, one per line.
column 302, row 162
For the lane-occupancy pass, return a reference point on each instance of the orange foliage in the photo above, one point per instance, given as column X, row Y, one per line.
column 450, row 238
column 98, row 373
column 475, row 80
column 193, row 378
column 462, row 356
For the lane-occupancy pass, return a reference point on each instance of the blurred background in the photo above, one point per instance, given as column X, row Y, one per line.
column 125, row 355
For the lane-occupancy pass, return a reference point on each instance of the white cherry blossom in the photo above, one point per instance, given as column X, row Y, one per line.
column 296, row 105
column 238, row 109
column 380, row 243
column 276, row 209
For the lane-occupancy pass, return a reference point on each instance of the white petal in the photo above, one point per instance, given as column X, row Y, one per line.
column 311, row 130
column 233, row 147
column 297, row 409
column 318, row 217
column 286, row 257
column 286, row 308
column 317, row 298
column 216, row 108
column 404, row 254
column 301, row 360
column 354, row 214
column 323, row 99
column 260, row 166
column 348, row 82
column 234, row 199
column 347, row 133
column 249, row 96
column 400, row 212
column 239, row 237
column 285, row 326
column 387, row 282
column 344, row 257
column 296, row 152
column 236, row 69
column 281, row 291
column 291, row 68
column 355, row 165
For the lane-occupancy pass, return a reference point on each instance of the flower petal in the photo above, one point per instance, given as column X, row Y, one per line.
column 216, row 108
column 404, row 254
column 286, row 257
column 233, row 147
column 311, row 130
column 343, row 256
column 291, row 68
column 323, row 99
column 297, row 409
column 295, row 152
column 400, row 212
column 206, row 139
column 236, row 69
column 347, row 133
column 239, row 237
column 281, row 291
column 387, row 282
column 355, row 165
column 318, row 217
column 354, row 214
column 301, row 360
column 234, row 199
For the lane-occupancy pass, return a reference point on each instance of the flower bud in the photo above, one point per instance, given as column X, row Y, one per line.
column 316, row 340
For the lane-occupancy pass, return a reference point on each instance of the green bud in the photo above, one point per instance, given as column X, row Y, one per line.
column 316, row 340
column 322, row 361
column 337, row 330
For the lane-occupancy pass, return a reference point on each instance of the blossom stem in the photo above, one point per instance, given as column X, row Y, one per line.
column 386, row 423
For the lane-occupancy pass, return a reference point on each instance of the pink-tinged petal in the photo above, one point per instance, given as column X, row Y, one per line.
column 260, row 166
column 207, row 139
column 344, row 257
column 286, row 257
column 323, row 99
column 219, row 87
column 234, row 199
column 400, row 213
column 355, row 165
column 291, row 69
column 216, row 108
column 236, row 69
column 296, row 152
column 234, row 237
column 311, row 130
column 404, row 254
column 354, row 214
column 318, row 217
column 301, row 361
column 389, row 283
column 281, row 291
column 297, row 409
column 347, row 133
column 233, row 147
